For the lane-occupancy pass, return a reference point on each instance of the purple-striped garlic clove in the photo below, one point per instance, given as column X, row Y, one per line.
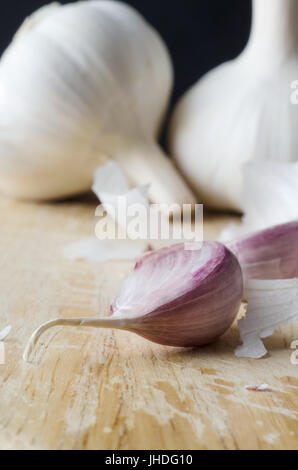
column 184, row 295
column 180, row 297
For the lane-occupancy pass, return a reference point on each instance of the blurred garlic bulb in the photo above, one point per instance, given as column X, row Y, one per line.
column 79, row 84
column 242, row 110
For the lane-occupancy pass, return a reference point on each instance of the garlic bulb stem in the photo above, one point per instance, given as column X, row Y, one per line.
column 274, row 31
column 214, row 134
column 94, row 322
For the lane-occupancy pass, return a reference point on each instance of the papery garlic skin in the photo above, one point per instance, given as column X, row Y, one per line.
column 79, row 84
column 175, row 296
column 241, row 111
column 268, row 254
column 270, row 304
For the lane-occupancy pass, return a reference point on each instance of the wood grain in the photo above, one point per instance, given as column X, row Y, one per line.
column 104, row 389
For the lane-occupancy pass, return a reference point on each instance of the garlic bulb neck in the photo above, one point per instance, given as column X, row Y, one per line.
column 146, row 163
column 274, row 31
column 180, row 296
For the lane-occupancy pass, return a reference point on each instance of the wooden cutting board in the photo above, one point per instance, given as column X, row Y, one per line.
column 104, row 389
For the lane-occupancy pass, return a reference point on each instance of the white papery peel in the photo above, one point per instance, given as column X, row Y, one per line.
column 174, row 297
column 5, row 332
column 270, row 197
column 110, row 184
column 271, row 303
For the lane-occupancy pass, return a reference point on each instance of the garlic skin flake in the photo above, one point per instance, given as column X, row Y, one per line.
column 108, row 185
column 269, row 263
column 270, row 304
column 241, row 111
column 258, row 388
column 174, row 296
column 79, row 84
column 270, row 197
column 191, row 297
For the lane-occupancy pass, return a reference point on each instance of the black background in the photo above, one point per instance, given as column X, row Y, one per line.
column 200, row 34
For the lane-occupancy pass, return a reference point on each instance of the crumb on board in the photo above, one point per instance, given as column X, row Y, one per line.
column 258, row 388
column 107, row 430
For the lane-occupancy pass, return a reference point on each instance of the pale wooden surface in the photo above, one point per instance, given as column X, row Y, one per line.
column 102, row 389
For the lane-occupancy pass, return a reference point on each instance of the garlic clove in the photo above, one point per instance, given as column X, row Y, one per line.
column 194, row 295
column 83, row 83
column 241, row 111
column 258, row 388
column 268, row 254
column 270, row 304
column 175, row 296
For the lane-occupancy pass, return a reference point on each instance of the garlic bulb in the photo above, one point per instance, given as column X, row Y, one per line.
column 79, row 84
column 242, row 110
column 184, row 295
